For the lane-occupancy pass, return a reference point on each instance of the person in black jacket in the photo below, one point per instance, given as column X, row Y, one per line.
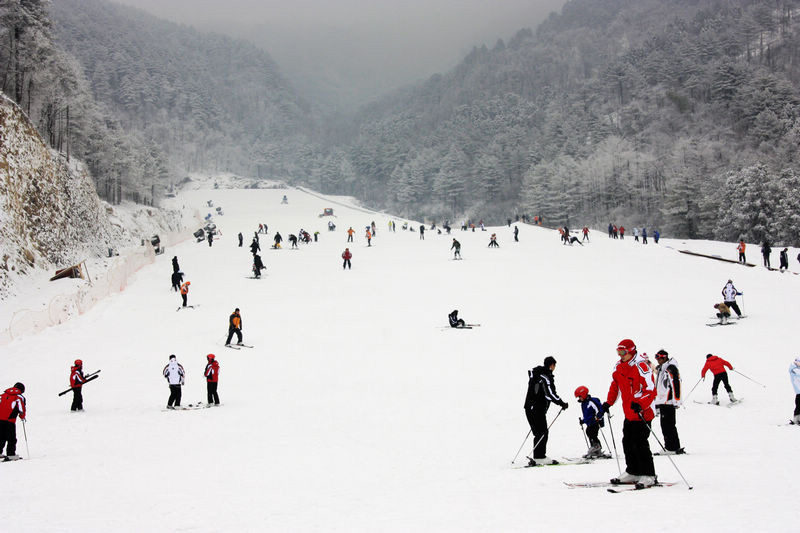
column 541, row 392
column 456, row 322
column 258, row 265
column 234, row 327
column 177, row 279
column 255, row 247
column 175, row 267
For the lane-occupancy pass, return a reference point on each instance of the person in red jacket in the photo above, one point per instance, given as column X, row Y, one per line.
column 633, row 380
column 76, row 381
column 717, row 366
column 212, row 379
column 347, row 256
column 12, row 405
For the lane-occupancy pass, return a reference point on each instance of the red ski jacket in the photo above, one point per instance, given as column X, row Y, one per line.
column 634, row 381
column 76, row 379
column 347, row 255
column 212, row 372
column 12, row 404
column 716, row 365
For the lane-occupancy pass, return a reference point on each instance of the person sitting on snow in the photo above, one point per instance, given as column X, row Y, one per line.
column 723, row 312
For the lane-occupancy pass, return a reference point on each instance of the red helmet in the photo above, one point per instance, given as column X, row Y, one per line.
column 627, row 345
column 78, row 362
column 210, row 357
column 581, row 393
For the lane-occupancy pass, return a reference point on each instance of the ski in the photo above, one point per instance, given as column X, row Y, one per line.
column 473, row 325
column 232, row 346
column 563, row 462
column 637, row 486
column 606, row 484
column 661, row 454
column 589, row 459
column 187, row 307
column 9, row 460
column 713, row 324
column 738, row 401
column 730, row 404
column 188, row 407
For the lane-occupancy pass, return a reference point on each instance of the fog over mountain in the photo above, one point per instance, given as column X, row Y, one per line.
column 345, row 53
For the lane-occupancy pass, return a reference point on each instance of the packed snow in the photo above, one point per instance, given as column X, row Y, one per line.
column 359, row 410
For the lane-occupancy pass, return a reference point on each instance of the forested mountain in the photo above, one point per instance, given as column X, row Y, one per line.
column 681, row 114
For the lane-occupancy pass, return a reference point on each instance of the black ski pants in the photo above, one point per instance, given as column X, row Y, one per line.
column 537, row 419
column 77, row 399
column 638, row 458
column 797, row 404
column 174, row 396
column 185, row 297
column 346, row 264
column 671, row 440
column 722, row 377
column 238, row 333
column 742, row 258
column 213, row 397
column 591, row 432
column 733, row 305
column 8, row 437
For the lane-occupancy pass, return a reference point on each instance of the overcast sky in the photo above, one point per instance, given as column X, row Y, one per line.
column 359, row 48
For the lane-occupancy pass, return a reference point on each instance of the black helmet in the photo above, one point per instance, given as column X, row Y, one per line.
column 19, row 386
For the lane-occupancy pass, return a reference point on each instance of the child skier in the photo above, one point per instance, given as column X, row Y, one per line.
column 12, row 405
column 593, row 419
column 76, row 381
column 212, row 379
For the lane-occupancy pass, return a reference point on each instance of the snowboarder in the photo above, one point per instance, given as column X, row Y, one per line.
column 729, row 293
column 593, row 419
column 493, row 241
column 457, row 247
column 12, row 405
column 717, row 366
column 541, row 392
column 516, row 232
column 241, row 239
column 766, row 250
column 668, row 399
column 293, row 240
column 177, row 279
column 784, row 258
column 212, row 379
column 633, row 380
column 347, row 256
column 175, row 267
column 258, row 265
column 76, row 381
column 723, row 313
column 174, row 374
column 740, row 248
column 455, row 322
column 255, row 247
column 277, row 240
column 234, row 326
column 185, row 293
column 794, row 375
column 350, row 233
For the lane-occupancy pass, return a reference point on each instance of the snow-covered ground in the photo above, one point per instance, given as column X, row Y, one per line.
column 358, row 411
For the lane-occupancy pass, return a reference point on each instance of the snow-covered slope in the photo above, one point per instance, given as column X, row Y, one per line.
column 358, row 411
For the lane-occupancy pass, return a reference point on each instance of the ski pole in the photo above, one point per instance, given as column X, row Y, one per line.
column 521, row 445
column 602, row 434
column 535, row 444
column 695, row 386
column 641, row 417
column 614, row 442
column 25, row 432
column 580, row 423
column 751, row 379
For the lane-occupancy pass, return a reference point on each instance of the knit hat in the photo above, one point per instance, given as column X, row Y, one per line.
column 627, row 345
column 172, row 357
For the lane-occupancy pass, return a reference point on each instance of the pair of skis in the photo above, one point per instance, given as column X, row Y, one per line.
column 731, row 404
column 616, row 488
column 238, row 346
column 88, row 378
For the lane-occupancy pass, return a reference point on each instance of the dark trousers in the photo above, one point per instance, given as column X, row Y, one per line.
column 77, row 399
column 638, row 458
column 537, row 419
column 766, row 260
column 213, row 397
column 184, row 296
column 797, row 404
column 346, row 264
column 174, row 396
column 238, row 333
column 8, row 437
column 591, row 432
column 722, row 377
column 733, row 305
column 742, row 258
column 349, row 238
column 671, row 441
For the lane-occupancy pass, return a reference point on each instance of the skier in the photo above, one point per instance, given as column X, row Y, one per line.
column 668, row 399
column 421, row 232
column 12, row 405
column 644, row 235
column 717, row 366
column 572, row 240
column 177, row 279
column 185, row 292
column 350, row 233
column 234, row 326
column 277, row 240
column 347, row 256
column 212, row 379
column 541, row 392
column 285, row 200
column 784, row 257
column 210, row 239
column 374, row 229
column 740, row 248
column 76, row 381
column 175, row 267
column 636, row 234
column 455, row 322
column 593, row 419
column 368, row 235
column 656, row 236
column 621, row 232
column 729, row 293
column 766, row 250
column 457, row 247
column 633, row 380
column 174, row 375
column 610, row 230
column 241, row 239
column 516, row 232
column 585, row 233
column 255, row 247
column 794, row 375
column 493, row 241
column 723, row 313
column 293, row 240
column 258, row 265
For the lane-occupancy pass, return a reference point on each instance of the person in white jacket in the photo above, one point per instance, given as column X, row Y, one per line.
column 729, row 293
column 794, row 374
column 174, row 375
column 668, row 399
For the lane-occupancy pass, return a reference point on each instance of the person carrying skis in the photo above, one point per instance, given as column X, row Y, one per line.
column 174, row 374
column 729, row 293
column 347, row 255
column 723, row 313
column 455, row 322
column 12, row 405
column 717, row 367
column 784, row 258
column 593, row 419
column 740, row 248
column 212, row 379
column 234, row 326
column 668, row 399
column 541, row 392
column 457, row 247
column 177, row 278
column 794, row 375
column 76, row 381
column 185, row 293
column 632, row 380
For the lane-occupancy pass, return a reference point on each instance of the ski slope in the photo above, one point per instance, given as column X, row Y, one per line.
column 358, row 411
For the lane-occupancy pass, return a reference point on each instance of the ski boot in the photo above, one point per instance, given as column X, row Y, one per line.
column 732, row 398
column 645, row 482
column 594, row 452
column 625, row 479
column 796, row 420
column 715, row 400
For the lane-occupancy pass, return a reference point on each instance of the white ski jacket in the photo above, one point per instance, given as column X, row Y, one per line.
column 174, row 373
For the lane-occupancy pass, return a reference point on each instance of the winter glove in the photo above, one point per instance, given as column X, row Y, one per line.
column 739, row 293
column 606, row 406
column 580, row 421
column 636, row 408
column 564, row 405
